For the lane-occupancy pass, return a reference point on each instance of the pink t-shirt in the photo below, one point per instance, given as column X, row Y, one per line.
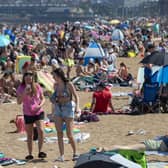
column 30, row 102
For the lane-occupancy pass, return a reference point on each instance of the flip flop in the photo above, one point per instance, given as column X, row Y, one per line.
column 42, row 155
column 19, row 162
column 141, row 132
column 130, row 133
column 7, row 162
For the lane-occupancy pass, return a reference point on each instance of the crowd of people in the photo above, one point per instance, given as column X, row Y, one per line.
column 53, row 47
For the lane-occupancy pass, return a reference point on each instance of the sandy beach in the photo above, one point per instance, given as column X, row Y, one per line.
column 110, row 130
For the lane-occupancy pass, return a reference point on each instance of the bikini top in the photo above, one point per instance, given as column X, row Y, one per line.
column 65, row 94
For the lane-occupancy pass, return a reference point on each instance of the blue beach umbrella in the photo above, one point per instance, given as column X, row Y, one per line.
column 4, row 41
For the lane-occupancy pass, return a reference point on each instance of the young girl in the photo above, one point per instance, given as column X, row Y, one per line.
column 64, row 110
column 31, row 96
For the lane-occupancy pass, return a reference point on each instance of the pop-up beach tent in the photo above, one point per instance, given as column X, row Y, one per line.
column 94, row 51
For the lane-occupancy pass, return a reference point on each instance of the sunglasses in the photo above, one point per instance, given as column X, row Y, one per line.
column 28, row 74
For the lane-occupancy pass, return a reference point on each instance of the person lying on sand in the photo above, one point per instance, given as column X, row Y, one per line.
column 149, row 145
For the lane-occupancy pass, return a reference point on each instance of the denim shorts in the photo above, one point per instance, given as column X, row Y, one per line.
column 66, row 110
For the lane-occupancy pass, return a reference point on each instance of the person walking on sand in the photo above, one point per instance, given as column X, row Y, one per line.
column 31, row 96
column 64, row 110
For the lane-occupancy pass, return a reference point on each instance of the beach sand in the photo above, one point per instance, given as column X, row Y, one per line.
column 110, row 130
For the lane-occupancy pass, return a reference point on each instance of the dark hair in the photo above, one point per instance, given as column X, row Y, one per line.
column 60, row 73
column 101, row 84
column 122, row 64
column 33, row 85
column 97, row 61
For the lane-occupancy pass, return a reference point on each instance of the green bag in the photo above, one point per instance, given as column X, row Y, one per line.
column 135, row 156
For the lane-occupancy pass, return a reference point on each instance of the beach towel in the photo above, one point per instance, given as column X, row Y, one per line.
column 159, row 153
column 20, row 60
column 79, row 138
column 49, row 127
column 119, row 94
column 46, row 80
column 20, row 124
column 158, row 165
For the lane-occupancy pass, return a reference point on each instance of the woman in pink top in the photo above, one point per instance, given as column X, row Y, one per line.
column 31, row 96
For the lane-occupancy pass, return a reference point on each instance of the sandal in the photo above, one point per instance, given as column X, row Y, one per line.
column 75, row 157
column 42, row 155
column 29, row 157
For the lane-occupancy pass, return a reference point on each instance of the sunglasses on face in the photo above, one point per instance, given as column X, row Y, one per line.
column 28, row 74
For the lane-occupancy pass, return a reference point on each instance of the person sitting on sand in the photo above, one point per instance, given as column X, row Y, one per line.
column 148, row 145
column 79, row 68
column 9, row 83
column 91, row 67
column 9, row 66
column 4, row 97
column 122, row 76
column 102, row 100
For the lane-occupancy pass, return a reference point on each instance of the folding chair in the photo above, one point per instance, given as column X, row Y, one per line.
column 164, row 98
column 150, row 102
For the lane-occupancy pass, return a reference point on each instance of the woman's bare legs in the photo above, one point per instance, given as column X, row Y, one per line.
column 58, row 124
column 39, row 125
column 29, row 131
column 69, row 131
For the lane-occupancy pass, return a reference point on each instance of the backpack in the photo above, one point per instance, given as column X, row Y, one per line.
column 88, row 116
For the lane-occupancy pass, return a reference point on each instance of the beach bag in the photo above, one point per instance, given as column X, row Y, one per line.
column 96, row 160
column 20, row 124
column 135, row 156
column 108, row 159
column 88, row 116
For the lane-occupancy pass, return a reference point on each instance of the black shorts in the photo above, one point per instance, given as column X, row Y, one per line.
column 32, row 119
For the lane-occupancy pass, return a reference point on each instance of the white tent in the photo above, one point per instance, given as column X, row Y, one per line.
column 93, row 51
